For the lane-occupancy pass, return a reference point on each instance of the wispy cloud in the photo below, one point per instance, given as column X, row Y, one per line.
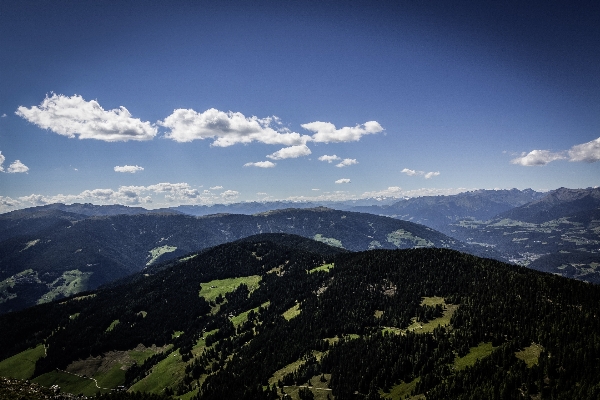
column 343, row 180
column 260, row 164
column 326, row 132
column 426, row 175
column 290, row 152
column 329, row 159
column 347, row 162
column 230, row 195
column 392, row 191
column 72, row 116
column 216, row 188
column 132, row 169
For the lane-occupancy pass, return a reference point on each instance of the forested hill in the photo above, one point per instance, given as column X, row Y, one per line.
column 49, row 253
column 261, row 319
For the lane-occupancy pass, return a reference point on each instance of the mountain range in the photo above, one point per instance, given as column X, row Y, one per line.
column 58, row 250
column 49, row 253
column 278, row 316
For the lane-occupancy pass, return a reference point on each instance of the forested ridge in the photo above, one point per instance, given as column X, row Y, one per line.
column 350, row 320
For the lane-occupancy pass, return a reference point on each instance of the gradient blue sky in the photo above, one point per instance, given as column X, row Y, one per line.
column 412, row 97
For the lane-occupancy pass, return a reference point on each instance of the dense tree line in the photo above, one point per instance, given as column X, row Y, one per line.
column 509, row 306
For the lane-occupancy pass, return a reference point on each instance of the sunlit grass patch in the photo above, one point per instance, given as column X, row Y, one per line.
column 69, row 383
column 530, row 354
column 243, row 317
column 211, row 290
column 401, row 391
column 22, row 365
column 292, row 312
column 324, row 267
column 478, row 352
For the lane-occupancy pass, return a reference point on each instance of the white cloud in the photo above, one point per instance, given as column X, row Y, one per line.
column 426, row 175
column 431, row 174
column 343, row 180
column 230, row 195
column 290, row 152
column 262, row 194
column 537, row 157
column 216, row 188
column 316, row 190
column 392, row 191
column 71, row 116
column 587, row 152
column 325, row 132
column 329, row 159
column 17, row 167
column 132, row 169
column 347, row 162
column 227, row 128
column 260, row 164
column 4, row 115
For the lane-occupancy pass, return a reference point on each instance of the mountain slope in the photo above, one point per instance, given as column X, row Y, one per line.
column 439, row 212
column 72, row 253
column 559, row 203
column 353, row 325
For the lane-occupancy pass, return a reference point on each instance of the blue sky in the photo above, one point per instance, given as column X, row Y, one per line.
column 156, row 104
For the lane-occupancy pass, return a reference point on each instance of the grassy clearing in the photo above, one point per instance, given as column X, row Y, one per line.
column 427, row 327
column 70, row 283
column 7, row 284
column 330, row 241
column 292, row 312
column 211, row 290
column 69, row 383
column 402, row 391
column 401, row 237
column 139, row 356
column 530, row 354
column 319, row 389
column 324, row 267
column 165, row 374
column 481, row 351
column 111, row 378
column 22, row 365
column 243, row 317
column 156, row 252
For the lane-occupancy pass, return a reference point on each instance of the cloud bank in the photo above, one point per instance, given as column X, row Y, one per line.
column 72, row 116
